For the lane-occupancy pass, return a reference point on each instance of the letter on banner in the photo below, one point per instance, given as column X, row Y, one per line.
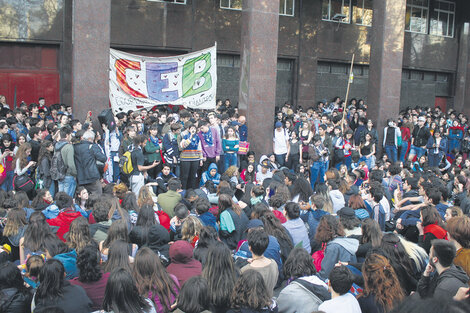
column 196, row 75
column 121, row 66
column 157, row 81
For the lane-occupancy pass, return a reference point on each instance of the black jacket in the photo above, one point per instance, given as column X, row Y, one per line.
column 444, row 285
column 86, row 154
column 14, row 301
column 73, row 300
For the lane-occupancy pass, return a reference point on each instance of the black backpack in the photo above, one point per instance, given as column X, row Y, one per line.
column 58, row 168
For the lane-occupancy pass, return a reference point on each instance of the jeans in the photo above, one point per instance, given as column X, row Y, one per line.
column 229, row 160
column 418, row 151
column 434, row 159
column 188, row 174
column 68, row 185
column 391, row 152
column 346, row 161
column 281, row 159
column 370, row 161
column 52, row 189
column 293, row 161
column 317, row 172
column 8, row 183
column 404, row 149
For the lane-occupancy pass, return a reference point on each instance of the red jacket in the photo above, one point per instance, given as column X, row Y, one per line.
column 63, row 220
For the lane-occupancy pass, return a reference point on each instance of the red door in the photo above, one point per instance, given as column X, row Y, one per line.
column 442, row 103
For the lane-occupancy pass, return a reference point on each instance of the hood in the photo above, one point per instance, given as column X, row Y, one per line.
column 336, row 195
column 350, row 244
column 181, row 252
column 263, row 157
column 158, row 236
column 454, row 272
column 60, row 144
column 69, row 260
column 213, row 166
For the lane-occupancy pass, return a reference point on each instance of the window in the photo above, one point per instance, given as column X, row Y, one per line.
column 286, row 7
column 443, row 19
column 362, row 13
column 231, row 4
column 417, row 16
column 170, row 1
column 336, row 10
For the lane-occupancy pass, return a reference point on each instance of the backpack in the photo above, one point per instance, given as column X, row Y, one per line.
column 318, row 257
column 58, row 168
column 125, row 163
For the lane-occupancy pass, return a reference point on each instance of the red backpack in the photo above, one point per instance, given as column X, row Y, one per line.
column 318, row 257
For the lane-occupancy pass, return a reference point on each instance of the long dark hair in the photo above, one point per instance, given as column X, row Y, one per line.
column 194, row 295
column 118, row 256
column 117, row 231
column 220, row 273
column 371, row 232
column 273, row 227
column 121, row 294
column 250, row 292
column 299, row 264
column 36, row 231
column 10, row 277
column 395, row 252
column 151, row 277
column 146, row 216
column 51, row 278
column 88, row 264
column 43, row 152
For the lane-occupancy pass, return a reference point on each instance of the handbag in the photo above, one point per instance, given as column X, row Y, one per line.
column 318, row 257
column 23, row 183
column 3, row 174
column 243, row 147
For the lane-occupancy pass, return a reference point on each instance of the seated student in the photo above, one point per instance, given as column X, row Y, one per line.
column 202, row 207
column 58, row 250
column 459, row 234
column 211, row 174
column 31, row 272
column 67, row 214
column 99, row 230
column 181, row 213
column 14, row 296
column 194, row 296
column 183, row 265
column 258, row 241
column 171, row 198
column 273, row 251
column 295, row 226
column 160, row 184
column 305, row 291
column 448, row 277
column 340, row 281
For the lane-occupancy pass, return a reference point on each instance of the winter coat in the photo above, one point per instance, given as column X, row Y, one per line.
column 303, row 295
column 69, row 260
column 99, row 231
column 443, row 285
column 158, row 239
column 298, row 232
column 183, row 265
column 73, row 300
column 339, row 249
column 14, row 301
column 206, row 176
column 63, row 220
column 67, row 153
column 86, row 154
column 94, row 290
column 168, row 201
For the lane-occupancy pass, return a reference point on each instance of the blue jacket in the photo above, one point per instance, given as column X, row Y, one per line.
column 208, row 219
column 339, row 249
column 69, row 260
column 298, row 232
column 207, row 176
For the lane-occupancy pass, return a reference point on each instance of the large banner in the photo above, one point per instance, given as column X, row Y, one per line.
column 137, row 82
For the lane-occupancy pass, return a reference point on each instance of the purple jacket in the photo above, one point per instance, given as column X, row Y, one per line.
column 215, row 149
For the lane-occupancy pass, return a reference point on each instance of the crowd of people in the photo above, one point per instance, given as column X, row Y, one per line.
column 170, row 210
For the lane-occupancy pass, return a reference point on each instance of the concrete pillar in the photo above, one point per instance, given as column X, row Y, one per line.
column 462, row 82
column 308, row 56
column 91, row 22
column 386, row 62
column 258, row 67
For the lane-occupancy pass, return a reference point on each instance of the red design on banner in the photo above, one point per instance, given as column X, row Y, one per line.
column 121, row 66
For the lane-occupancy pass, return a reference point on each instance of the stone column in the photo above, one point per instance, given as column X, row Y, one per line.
column 462, row 82
column 91, row 22
column 308, row 56
column 258, row 67
column 386, row 61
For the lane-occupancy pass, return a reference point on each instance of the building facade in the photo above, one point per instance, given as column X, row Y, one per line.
column 41, row 52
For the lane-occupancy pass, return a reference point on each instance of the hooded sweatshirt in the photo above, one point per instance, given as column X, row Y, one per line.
column 339, row 249
column 338, row 200
column 206, row 176
column 444, row 285
column 183, row 265
column 63, row 220
column 69, row 260
column 158, row 239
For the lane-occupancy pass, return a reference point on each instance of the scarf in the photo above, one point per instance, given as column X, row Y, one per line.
column 256, row 200
column 154, row 140
column 436, row 230
column 208, row 137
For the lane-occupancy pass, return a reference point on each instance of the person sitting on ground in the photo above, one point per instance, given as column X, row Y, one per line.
column 340, row 282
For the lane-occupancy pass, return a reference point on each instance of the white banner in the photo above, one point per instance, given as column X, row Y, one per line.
column 137, row 82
